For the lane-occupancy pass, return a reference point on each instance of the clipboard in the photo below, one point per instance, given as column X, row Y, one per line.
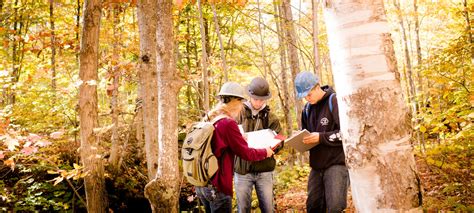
column 296, row 141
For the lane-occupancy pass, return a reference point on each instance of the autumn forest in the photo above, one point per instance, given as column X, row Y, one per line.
column 96, row 97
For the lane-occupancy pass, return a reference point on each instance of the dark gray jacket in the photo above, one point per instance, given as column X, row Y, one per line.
column 264, row 119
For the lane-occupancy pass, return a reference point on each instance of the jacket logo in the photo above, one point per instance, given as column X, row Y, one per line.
column 324, row 121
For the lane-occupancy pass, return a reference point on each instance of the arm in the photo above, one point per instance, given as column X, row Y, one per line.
column 239, row 146
column 332, row 138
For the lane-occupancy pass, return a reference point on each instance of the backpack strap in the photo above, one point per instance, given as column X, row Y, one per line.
column 330, row 101
column 306, row 110
column 219, row 117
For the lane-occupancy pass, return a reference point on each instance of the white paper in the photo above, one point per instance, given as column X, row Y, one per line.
column 262, row 139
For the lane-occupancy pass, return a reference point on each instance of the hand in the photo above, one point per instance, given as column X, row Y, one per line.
column 245, row 136
column 269, row 152
column 313, row 138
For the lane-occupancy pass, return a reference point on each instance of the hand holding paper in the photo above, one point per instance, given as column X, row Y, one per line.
column 312, row 138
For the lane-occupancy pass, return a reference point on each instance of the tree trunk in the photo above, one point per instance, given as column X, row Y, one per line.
column 115, row 74
column 90, row 148
column 163, row 191
column 147, row 19
column 374, row 119
column 204, row 59
column 292, row 51
column 262, row 43
column 412, row 92
column 53, row 46
column 417, row 35
column 221, row 45
column 468, row 27
column 78, row 25
column 317, row 63
column 285, row 101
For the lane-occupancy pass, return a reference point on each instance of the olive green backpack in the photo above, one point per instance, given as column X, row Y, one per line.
column 199, row 163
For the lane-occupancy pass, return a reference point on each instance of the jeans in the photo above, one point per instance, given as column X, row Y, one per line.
column 213, row 200
column 263, row 182
column 327, row 189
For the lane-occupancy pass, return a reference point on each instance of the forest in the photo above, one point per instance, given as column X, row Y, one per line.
column 96, row 97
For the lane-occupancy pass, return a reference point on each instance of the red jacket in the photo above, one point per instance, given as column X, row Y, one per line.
column 227, row 142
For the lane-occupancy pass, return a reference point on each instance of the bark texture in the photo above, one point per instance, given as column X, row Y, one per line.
column 90, row 150
column 163, row 190
column 147, row 19
column 375, row 122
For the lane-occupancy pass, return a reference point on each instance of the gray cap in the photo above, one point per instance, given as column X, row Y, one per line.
column 259, row 89
column 232, row 89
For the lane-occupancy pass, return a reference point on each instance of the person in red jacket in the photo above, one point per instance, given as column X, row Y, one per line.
column 227, row 141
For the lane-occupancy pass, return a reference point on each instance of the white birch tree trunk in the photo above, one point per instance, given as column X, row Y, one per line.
column 90, row 149
column 374, row 118
column 147, row 19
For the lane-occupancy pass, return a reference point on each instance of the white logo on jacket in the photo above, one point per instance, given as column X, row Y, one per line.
column 324, row 121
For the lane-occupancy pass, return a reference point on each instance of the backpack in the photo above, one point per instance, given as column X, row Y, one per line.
column 199, row 163
column 306, row 107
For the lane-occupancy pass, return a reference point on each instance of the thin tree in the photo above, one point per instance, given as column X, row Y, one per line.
column 468, row 27
column 375, row 122
column 411, row 85
column 147, row 23
column 114, row 89
column 221, row 45
column 203, row 58
column 91, row 155
column 317, row 63
column 290, row 33
column 262, row 43
column 163, row 191
column 53, row 45
column 285, row 100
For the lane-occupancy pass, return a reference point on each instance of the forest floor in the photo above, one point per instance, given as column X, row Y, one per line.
column 434, row 188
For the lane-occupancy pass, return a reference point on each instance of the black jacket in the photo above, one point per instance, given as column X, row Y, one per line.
column 319, row 118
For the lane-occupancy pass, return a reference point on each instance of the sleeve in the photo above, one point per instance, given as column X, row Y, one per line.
column 274, row 123
column 239, row 146
column 332, row 138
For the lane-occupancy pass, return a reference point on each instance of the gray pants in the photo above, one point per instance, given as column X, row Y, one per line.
column 327, row 189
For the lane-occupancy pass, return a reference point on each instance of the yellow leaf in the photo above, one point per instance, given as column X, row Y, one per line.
column 422, row 129
column 76, row 166
column 52, row 172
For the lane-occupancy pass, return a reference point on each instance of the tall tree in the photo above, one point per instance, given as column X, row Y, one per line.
column 290, row 35
column 147, row 21
column 221, row 45
column 53, row 45
column 262, row 43
column 317, row 60
column 468, row 27
column 163, row 191
column 409, row 74
column 374, row 119
column 285, row 100
column 205, row 79
column 90, row 149
column 114, row 74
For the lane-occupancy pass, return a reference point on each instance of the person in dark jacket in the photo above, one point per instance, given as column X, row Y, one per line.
column 227, row 142
column 256, row 116
column 328, row 180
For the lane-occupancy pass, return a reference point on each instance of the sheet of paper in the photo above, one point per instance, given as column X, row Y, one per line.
column 262, row 139
column 296, row 141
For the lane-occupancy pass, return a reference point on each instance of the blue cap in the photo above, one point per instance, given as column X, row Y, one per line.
column 304, row 82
